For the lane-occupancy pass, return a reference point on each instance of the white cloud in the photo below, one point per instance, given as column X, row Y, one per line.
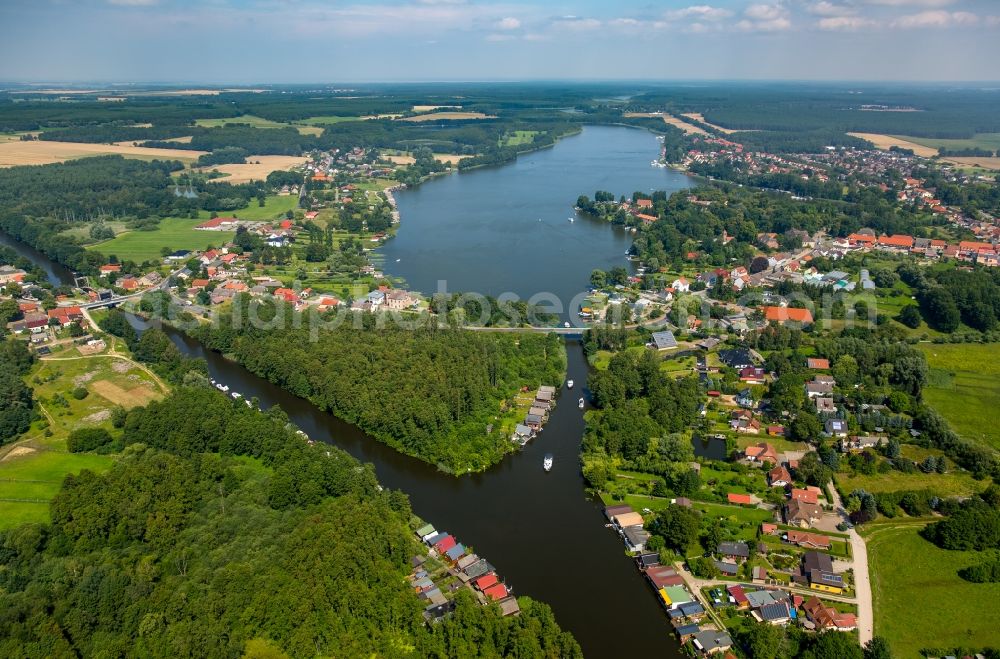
column 993, row 21
column 576, row 23
column 508, row 23
column 826, row 8
column 762, row 12
column 935, row 19
column 911, row 3
column 699, row 12
column 845, row 23
column 764, row 18
column 133, row 3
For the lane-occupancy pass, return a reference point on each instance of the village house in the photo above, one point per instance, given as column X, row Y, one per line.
column 734, row 551
column 802, row 513
column 806, row 539
column 835, row 428
column 856, row 443
column 761, row 453
column 66, row 315
column 825, row 405
column 826, row 617
column 787, row 315
column 779, row 477
column 803, row 495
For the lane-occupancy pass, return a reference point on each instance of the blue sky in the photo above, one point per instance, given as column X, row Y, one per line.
column 247, row 41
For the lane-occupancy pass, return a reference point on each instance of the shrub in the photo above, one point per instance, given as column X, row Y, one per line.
column 87, row 439
column 80, row 393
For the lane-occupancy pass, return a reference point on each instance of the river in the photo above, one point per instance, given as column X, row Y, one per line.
column 543, row 534
column 506, row 229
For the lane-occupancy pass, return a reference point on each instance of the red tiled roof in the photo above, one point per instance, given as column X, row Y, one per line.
column 741, row 499
column 785, row 314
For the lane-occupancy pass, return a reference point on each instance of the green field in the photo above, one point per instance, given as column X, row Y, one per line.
column 964, row 387
column 173, row 232
column 518, row 137
column 328, row 119
column 920, row 601
column 256, row 122
column 988, row 141
column 950, row 484
column 29, row 482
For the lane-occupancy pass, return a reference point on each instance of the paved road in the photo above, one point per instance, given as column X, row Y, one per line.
column 862, row 579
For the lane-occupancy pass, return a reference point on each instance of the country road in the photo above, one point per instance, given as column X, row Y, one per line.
column 862, row 575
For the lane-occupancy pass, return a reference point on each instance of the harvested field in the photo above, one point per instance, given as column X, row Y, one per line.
column 127, row 398
column 257, row 168
column 699, row 117
column 975, row 161
column 39, row 152
column 431, row 108
column 673, row 121
column 448, row 116
column 885, row 142
column 449, row 158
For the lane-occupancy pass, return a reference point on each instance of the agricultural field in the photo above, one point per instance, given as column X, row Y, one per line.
column 919, row 599
column 173, row 232
column 964, row 387
column 43, row 152
column 256, row 168
column 256, row 122
column 690, row 129
column 988, row 141
column 329, row 119
column 447, row 116
column 32, row 471
column 884, row 142
column 699, row 117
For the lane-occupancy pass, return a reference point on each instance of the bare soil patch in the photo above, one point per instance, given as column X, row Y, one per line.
column 97, row 417
column 697, row 116
column 43, row 152
column 127, row 398
column 17, row 452
column 673, row 121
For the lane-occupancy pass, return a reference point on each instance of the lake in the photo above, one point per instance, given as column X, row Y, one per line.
column 506, row 229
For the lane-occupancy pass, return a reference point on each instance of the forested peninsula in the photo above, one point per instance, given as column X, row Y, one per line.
column 219, row 532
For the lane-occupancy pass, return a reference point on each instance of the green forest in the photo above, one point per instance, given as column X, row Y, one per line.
column 435, row 394
column 219, row 532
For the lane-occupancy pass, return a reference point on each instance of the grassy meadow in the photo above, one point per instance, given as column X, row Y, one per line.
column 964, row 387
column 919, row 599
column 988, row 141
column 173, row 232
column 32, row 470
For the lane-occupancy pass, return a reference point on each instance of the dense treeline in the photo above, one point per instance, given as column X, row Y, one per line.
column 431, row 393
column 16, row 402
column 953, row 114
column 949, row 297
column 186, row 548
column 24, row 115
column 641, row 413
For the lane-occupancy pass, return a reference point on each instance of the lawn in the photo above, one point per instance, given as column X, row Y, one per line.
column 272, row 208
column 964, row 387
column 173, row 233
column 920, row 601
column 328, row 119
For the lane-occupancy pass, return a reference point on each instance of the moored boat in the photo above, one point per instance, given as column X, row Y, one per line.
column 547, row 462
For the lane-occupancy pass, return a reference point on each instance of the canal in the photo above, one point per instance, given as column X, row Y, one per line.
column 543, row 534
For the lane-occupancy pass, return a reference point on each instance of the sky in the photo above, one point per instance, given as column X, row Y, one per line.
column 329, row 41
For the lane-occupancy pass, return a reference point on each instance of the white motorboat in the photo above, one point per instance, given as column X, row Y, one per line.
column 566, row 324
column 569, row 384
column 547, row 462
column 582, row 403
